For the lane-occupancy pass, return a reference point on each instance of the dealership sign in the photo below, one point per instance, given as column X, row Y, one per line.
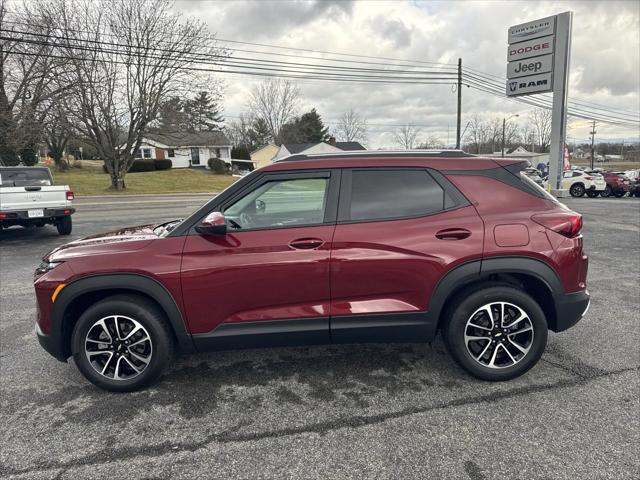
column 538, row 57
column 530, row 57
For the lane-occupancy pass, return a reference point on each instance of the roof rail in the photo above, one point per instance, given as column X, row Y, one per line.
column 378, row 154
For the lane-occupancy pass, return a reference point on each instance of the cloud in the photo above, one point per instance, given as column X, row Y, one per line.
column 605, row 61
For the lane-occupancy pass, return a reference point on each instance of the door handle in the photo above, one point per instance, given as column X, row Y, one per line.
column 306, row 243
column 453, row 234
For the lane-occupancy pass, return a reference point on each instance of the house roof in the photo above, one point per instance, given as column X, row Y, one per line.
column 186, row 139
column 349, row 146
column 294, row 148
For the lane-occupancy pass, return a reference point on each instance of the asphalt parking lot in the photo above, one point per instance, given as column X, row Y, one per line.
column 364, row 411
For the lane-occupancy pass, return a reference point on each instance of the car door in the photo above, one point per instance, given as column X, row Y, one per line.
column 399, row 231
column 266, row 279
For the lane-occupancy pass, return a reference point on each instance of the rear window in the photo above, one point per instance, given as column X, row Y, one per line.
column 25, row 177
column 385, row 194
column 529, row 183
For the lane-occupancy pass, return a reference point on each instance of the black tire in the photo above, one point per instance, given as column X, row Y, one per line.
column 607, row 192
column 577, row 190
column 592, row 193
column 619, row 194
column 145, row 313
column 64, row 225
column 466, row 304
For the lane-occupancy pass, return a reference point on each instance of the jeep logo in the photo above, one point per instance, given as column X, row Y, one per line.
column 528, row 67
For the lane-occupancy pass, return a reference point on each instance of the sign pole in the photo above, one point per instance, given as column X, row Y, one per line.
column 559, row 112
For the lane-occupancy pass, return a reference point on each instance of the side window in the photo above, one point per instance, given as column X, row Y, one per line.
column 384, row 194
column 567, row 174
column 280, row 203
column 577, row 174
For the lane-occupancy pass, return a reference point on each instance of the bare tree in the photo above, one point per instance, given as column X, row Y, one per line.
column 274, row 101
column 406, row 136
column 479, row 133
column 432, row 142
column 352, row 127
column 27, row 77
column 125, row 57
column 540, row 120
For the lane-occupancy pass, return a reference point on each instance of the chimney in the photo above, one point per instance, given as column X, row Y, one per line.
column 332, row 141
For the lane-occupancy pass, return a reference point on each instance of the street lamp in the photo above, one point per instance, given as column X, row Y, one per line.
column 504, row 123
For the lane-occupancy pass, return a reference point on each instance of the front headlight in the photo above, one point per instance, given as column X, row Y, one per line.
column 46, row 266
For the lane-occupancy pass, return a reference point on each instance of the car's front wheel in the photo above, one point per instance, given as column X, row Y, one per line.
column 577, row 190
column 496, row 333
column 122, row 343
column 607, row 192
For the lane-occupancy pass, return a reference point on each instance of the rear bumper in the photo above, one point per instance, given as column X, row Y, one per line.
column 570, row 308
column 21, row 217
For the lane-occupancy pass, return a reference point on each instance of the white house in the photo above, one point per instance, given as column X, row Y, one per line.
column 321, row 147
column 186, row 149
column 520, row 152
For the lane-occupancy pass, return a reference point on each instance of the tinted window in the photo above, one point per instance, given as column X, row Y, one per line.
column 280, row 203
column 24, row 177
column 379, row 194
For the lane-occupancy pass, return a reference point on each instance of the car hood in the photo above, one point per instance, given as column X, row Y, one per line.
column 125, row 239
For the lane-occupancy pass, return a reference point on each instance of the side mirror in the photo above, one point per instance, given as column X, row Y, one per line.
column 213, row 224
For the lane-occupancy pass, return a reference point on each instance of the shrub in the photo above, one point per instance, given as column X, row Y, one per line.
column 241, row 152
column 164, row 164
column 218, row 165
column 8, row 156
column 143, row 165
column 28, row 157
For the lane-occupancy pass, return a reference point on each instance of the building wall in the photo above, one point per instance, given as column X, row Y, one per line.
column 265, row 155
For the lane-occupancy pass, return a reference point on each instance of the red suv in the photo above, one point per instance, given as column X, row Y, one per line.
column 367, row 247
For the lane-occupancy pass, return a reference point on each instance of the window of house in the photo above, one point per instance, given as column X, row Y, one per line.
column 171, row 153
column 383, row 194
column 218, row 153
column 146, row 153
column 280, row 203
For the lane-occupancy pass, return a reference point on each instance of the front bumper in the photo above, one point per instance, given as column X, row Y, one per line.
column 570, row 308
column 51, row 343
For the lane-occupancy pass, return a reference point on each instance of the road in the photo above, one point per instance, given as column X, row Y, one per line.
column 348, row 411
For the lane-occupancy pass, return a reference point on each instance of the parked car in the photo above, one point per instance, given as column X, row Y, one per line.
column 578, row 182
column 535, row 175
column 29, row 198
column 634, row 188
column 333, row 248
column 617, row 184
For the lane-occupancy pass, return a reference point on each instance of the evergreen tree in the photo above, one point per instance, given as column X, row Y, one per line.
column 241, row 152
column 171, row 116
column 307, row 128
column 203, row 113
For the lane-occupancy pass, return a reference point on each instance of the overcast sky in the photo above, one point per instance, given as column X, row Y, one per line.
column 605, row 57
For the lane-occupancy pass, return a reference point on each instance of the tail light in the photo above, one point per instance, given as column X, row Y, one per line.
column 70, row 196
column 568, row 224
column 3, row 215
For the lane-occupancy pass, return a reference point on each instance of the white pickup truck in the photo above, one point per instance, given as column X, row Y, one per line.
column 29, row 198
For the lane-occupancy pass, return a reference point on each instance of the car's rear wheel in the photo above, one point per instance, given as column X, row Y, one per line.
column 577, row 190
column 496, row 333
column 122, row 343
column 64, row 225
column 619, row 194
column 592, row 193
column 607, row 192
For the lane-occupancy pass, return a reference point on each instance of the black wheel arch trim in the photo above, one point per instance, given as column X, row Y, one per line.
column 133, row 282
column 475, row 270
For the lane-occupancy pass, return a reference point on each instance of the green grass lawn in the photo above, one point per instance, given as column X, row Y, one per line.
column 91, row 180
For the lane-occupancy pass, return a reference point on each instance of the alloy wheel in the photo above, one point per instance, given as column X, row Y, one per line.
column 498, row 335
column 118, row 347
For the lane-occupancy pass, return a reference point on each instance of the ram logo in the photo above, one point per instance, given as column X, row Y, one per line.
column 513, row 86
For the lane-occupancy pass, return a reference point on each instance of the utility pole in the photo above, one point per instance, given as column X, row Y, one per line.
column 459, row 103
column 593, row 135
